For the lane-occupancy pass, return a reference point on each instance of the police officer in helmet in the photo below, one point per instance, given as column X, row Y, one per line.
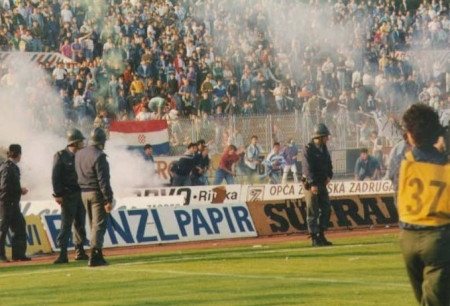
column 10, row 214
column 317, row 173
column 92, row 169
column 67, row 194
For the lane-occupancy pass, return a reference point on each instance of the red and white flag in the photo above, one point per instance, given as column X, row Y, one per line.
column 135, row 134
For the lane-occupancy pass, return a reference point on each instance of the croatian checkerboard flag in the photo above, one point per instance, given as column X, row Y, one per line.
column 135, row 134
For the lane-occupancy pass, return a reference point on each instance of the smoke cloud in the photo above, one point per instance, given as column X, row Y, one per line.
column 31, row 114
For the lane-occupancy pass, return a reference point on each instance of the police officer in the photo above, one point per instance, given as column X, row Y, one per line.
column 93, row 177
column 317, row 173
column 424, row 213
column 67, row 194
column 10, row 215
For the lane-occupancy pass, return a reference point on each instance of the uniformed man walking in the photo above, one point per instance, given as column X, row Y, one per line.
column 10, row 215
column 94, row 179
column 67, row 194
column 317, row 173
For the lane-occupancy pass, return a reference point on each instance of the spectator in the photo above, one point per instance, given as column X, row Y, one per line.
column 182, row 169
column 275, row 163
column 226, row 169
column 366, row 166
column 177, row 46
column 148, row 153
column 377, row 147
column 290, row 153
column 251, row 158
column 199, row 175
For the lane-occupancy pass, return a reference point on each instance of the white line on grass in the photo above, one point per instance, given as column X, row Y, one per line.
column 266, row 277
column 185, row 257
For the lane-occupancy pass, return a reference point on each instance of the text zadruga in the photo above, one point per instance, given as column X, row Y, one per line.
column 168, row 225
column 255, row 193
column 221, row 194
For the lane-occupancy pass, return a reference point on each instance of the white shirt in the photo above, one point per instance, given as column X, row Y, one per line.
column 59, row 74
column 143, row 116
column 66, row 15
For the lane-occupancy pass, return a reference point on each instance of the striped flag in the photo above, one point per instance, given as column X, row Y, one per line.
column 135, row 134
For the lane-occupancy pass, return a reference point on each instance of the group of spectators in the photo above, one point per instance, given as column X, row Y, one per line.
column 247, row 163
column 211, row 59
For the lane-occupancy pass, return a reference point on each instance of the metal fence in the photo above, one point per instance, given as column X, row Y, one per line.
column 237, row 130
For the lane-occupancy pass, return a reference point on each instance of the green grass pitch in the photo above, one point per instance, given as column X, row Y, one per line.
column 366, row 270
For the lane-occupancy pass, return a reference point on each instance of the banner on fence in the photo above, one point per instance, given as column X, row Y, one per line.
column 197, row 195
column 37, row 241
column 36, row 57
column 219, row 194
column 254, row 193
column 146, row 202
column 289, row 216
column 168, row 225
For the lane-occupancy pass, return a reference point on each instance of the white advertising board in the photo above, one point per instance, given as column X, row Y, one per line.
column 253, row 193
column 168, row 225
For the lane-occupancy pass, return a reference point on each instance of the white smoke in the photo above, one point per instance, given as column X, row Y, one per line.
column 31, row 114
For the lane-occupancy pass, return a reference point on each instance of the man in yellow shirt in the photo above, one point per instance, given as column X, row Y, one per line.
column 423, row 206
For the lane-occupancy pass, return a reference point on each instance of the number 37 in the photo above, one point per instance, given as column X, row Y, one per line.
column 417, row 196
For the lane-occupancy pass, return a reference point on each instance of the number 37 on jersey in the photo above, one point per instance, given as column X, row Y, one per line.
column 424, row 193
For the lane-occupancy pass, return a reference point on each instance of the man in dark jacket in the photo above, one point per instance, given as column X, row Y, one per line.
column 317, row 173
column 67, row 194
column 199, row 173
column 93, row 177
column 10, row 215
column 182, row 169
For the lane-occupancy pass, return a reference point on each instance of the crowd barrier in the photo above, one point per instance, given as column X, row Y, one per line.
column 160, row 215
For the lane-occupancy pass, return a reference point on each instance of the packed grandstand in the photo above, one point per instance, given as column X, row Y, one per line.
column 224, row 70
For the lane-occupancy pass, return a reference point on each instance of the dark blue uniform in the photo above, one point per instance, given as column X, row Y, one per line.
column 10, row 214
column 317, row 169
column 65, row 185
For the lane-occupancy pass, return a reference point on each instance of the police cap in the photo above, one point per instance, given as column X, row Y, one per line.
column 14, row 150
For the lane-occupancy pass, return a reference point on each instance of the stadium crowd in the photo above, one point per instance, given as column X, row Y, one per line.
column 213, row 59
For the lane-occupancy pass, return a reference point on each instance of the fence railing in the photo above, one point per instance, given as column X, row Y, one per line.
column 237, row 130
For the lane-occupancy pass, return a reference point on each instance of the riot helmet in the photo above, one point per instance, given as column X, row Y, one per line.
column 74, row 136
column 98, row 136
column 320, row 130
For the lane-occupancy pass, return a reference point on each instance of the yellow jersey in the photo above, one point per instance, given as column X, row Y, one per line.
column 424, row 193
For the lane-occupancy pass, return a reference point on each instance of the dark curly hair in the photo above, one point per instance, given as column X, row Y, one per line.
column 423, row 123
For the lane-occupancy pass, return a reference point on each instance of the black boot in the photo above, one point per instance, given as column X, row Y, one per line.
column 62, row 258
column 324, row 240
column 80, row 254
column 3, row 258
column 316, row 242
column 97, row 259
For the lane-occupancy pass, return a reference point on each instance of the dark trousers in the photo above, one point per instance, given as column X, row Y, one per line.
column 95, row 208
column 72, row 213
column 318, row 210
column 181, row 180
column 12, row 218
column 427, row 258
